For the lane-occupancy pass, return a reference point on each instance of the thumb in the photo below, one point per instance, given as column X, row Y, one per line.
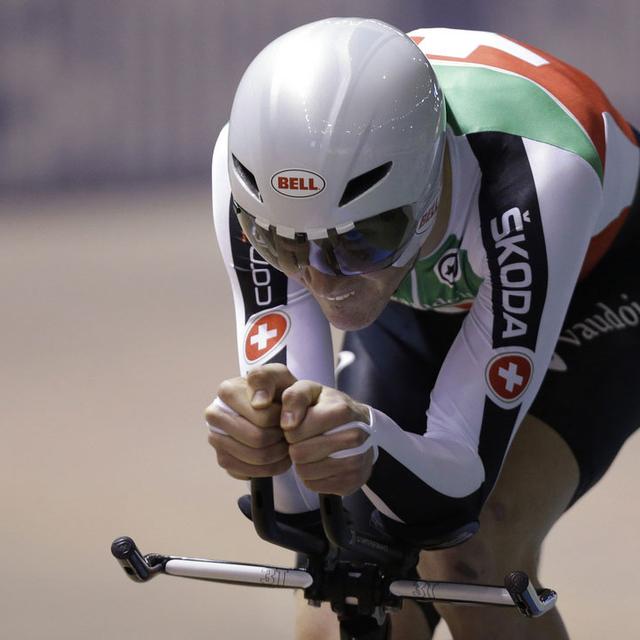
column 296, row 400
column 266, row 384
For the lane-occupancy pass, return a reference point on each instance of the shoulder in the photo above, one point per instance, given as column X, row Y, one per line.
column 492, row 82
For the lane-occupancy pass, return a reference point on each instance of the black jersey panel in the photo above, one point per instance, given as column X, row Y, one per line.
column 263, row 286
column 513, row 238
column 497, row 427
column 420, row 506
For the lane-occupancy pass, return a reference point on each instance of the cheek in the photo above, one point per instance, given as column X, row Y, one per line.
column 386, row 282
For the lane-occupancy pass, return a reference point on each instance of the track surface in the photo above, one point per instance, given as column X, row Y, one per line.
column 117, row 326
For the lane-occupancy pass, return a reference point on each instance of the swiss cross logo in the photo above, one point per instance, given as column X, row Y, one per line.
column 508, row 375
column 298, row 183
column 265, row 335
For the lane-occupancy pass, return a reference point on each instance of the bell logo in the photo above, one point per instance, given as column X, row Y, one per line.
column 298, row 183
column 265, row 335
column 508, row 375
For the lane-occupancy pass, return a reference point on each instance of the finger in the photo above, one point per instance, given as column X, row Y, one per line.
column 329, row 467
column 342, row 485
column 241, row 429
column 296, row 399
column 322, row 446
column 238, row 476
column 266, row 383
column 327, row 414
column 234, row 394
column 250, row 455
column 239, row 468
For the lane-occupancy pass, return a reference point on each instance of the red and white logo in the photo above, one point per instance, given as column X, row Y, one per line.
column 427, row 219
column 265, row 335
column 508, row 375
column 298, row 183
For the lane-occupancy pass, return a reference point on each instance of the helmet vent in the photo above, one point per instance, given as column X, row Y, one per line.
column 358, row 185
column 247, row 178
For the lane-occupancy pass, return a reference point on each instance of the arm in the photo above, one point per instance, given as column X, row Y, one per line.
column 277, row 321
column 498, row 361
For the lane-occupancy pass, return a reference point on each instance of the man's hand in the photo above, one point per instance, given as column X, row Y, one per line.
column 309, row 411
column 254, row 446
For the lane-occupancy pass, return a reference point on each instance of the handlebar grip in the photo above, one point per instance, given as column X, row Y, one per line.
column 126, row 552
column 530, row 602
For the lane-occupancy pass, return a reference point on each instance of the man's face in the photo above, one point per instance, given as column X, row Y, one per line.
column 351, row 302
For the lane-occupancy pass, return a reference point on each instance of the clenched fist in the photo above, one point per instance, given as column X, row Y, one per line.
column 247, row 436
column 281, row 420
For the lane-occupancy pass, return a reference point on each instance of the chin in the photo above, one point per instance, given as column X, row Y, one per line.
column 351, row 319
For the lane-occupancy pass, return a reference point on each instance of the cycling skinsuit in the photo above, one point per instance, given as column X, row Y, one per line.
column 544, row 175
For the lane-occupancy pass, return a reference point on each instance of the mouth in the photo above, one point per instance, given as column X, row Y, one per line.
column 339, row 298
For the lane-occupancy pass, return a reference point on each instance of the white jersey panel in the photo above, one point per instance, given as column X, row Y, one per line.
column 459, row 43
column 622, row 166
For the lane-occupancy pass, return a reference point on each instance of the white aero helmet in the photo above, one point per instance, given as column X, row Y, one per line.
column 336, row 140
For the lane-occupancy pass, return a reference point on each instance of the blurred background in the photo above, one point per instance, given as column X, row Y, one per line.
column 117, row 320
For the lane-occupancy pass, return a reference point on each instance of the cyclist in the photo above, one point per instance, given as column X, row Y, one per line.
column 465, row 207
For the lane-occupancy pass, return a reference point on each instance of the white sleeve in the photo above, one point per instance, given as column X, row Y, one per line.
column 277, row 320
column 537, row 215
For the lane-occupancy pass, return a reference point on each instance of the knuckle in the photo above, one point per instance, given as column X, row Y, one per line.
column 277, row 368
column 282, row 466
column 254, row 439
column 256, row 374
column 330, row 394
column 259, row 379
column 260, row 472
column 227, row 389
column 260, row 457
column 293, row 436
column 262, row 438
column 341, row 412
column 296, row 453
column 214, row 417
column 291, row 394
column 214, row 440
column 267, row 456
column 211, row 417
column 224, row 459
column 265, row 418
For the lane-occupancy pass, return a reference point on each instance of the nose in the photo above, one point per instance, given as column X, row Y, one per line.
column 320, row 283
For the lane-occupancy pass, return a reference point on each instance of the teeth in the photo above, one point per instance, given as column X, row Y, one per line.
column 338, row 298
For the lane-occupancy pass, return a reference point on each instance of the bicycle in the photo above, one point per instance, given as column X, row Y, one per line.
column 362, row 576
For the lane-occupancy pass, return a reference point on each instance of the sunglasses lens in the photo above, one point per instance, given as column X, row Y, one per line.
column 372, row 244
